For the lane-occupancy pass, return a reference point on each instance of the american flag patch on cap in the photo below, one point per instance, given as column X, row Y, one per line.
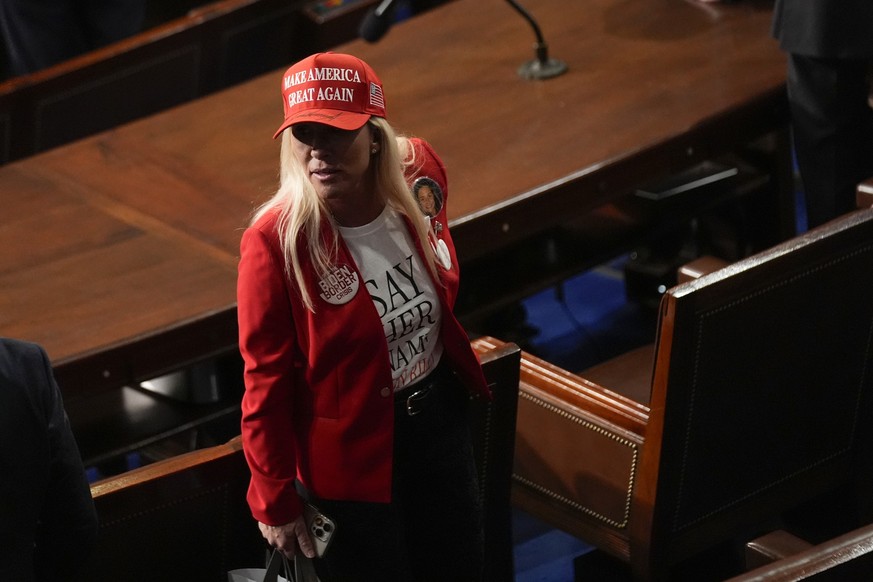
column 376, row 97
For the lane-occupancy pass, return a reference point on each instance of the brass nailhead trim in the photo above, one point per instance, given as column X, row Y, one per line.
column 601, row 431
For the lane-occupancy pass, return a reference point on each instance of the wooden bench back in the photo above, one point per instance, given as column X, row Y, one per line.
column 213, row 47
column 761, row 391
column 183, row 518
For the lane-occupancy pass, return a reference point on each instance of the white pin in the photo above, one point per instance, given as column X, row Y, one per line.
column 443, row 255
column 340, row 285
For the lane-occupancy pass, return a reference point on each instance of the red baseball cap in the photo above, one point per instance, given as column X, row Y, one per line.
column 331, row 88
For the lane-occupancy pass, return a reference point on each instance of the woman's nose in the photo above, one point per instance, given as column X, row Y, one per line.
column 328, row 133
column 321, row 143
column 317, row 144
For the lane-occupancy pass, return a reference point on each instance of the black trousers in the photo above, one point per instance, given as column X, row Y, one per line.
column 832, row 124
column 432, row 529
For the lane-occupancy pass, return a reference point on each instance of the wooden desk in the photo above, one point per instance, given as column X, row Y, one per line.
column 653, row 86
column 94, row 281
column 120, row 257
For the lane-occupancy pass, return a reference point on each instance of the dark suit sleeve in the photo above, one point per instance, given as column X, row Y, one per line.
column 825, row 28
column 68, row 521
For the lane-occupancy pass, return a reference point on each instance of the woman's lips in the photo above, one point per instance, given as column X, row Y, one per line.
column 324, row 173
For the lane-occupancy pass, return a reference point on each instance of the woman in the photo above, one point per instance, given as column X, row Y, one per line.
column 356, row 370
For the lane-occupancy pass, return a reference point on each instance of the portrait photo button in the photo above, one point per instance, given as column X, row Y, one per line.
column 386, row 392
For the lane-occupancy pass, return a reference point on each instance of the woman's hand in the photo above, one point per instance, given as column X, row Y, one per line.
column 289, row 537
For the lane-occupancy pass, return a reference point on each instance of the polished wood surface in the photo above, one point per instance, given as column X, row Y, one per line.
column 651, row 87
column 607, row 430
column 846, row 558
column 120, row 250
column 83, row 275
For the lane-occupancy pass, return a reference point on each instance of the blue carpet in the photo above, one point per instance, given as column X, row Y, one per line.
column 543, row 554
column 588, row 319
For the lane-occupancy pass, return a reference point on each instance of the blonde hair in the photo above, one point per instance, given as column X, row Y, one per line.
column 302, row 214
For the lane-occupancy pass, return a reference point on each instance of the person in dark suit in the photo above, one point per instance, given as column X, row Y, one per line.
column 830, row 50
column 48, row 523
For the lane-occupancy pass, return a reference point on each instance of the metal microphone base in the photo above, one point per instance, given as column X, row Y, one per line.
column 542, row 69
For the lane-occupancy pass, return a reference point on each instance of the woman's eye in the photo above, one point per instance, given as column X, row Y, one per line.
column 310, row 133
column 302, row 132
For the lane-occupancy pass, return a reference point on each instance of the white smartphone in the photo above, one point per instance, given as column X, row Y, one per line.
column 321, row 528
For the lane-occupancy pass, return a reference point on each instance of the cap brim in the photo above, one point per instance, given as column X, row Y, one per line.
column 334, row 118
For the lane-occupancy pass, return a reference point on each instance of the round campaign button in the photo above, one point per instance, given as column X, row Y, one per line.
column 340, row 285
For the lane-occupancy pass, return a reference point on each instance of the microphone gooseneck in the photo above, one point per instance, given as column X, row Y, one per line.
column 542, row 67
column 377, row 22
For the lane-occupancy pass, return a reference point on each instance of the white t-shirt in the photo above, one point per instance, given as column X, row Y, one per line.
column 403, row 293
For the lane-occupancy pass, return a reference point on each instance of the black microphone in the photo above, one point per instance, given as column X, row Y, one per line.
column 542, row 67
column 377, row 22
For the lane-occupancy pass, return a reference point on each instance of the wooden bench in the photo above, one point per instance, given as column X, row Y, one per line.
column 186, row 518
column 213, row 46
column 846, row 558
column 183, row 518
column 756, row 400
column 210, row 48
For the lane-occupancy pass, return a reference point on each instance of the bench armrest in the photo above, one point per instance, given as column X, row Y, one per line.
column 699, row 267
column 773, row 546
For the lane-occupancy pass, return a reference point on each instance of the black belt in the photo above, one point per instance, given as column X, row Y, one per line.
column 412, row 398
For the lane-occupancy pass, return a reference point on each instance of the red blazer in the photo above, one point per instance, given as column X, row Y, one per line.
column 318, row 403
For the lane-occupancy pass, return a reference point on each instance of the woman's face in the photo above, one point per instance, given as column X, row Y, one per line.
column 337, row 161
column 426, row 200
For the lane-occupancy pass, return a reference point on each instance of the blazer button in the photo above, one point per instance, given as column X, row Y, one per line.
column 386, row 392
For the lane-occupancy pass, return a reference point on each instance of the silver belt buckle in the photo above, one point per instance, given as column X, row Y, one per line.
column 411, row 409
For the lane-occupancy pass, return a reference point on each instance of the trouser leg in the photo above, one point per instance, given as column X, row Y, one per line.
column 437, row 490
column 833, row 131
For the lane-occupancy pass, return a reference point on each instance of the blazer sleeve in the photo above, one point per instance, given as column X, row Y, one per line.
column 267, row 344
column 68, row 509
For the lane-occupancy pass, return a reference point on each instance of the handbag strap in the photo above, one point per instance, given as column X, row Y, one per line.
column 304, row 569
column 277, row 562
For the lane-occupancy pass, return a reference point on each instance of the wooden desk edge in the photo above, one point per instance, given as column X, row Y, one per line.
column 149, row 355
